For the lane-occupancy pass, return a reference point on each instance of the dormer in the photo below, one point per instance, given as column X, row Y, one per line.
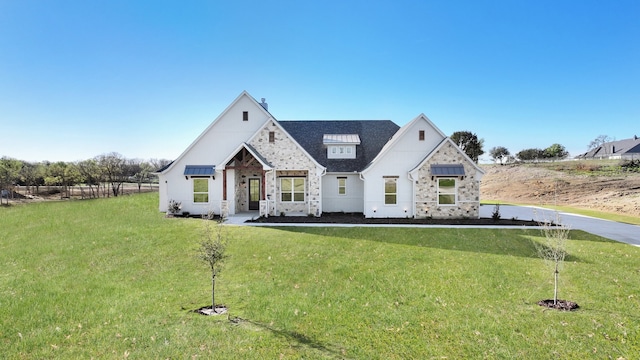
column 341, row 146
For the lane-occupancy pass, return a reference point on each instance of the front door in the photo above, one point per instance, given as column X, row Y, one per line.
column 254, row 194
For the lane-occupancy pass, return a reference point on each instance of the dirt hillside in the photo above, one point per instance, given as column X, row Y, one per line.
column 542, row 185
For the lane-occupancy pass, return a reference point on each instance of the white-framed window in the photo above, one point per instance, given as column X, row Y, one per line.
column 342, row 186
column 390, row 190
column 447, row 191
column 341, row 151
column 200, row 190
column 292, row 189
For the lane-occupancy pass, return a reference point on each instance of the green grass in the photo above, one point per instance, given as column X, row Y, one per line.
column 113, row 278
column 628, row 219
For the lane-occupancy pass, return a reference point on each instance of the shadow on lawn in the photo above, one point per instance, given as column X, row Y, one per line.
column 299, row 340
column 490, row 241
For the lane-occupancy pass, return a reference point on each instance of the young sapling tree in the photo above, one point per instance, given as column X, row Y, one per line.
column 553, row 251
column 212, row 251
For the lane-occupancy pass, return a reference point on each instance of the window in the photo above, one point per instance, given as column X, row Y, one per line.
column 292, row 189
column 200, row 190
column 421, row 135
column 245, row 116
column 390, row 190
column 446, row 191
column 341, row 152
column 342, row 186
column 272, row 136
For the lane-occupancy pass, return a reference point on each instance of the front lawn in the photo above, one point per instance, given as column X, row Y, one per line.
column 113, row 278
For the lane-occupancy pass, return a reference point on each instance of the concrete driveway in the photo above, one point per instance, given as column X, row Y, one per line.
column 625, row 233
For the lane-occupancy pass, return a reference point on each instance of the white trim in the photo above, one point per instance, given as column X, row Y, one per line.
column 293, row 192
column 455, row 191
column 384, row 185
column 399, row 135
column 277, row 124
column 226, row 110
column 193, row 191
column 414, row 171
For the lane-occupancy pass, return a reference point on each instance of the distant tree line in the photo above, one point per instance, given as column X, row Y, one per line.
column 469, row 142
column 102, row 175
column 554, row 152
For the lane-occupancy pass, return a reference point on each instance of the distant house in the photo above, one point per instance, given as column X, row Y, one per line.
column 628, row 149
column 246, row 160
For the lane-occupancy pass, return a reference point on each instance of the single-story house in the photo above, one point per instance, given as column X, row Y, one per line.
column 627, row 149
column 246, row 160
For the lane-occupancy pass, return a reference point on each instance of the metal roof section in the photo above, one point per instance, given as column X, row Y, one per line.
column 447, row 170
column 199, row 170
column 341, row 139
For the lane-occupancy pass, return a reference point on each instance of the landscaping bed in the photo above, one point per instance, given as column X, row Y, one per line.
column 358, row 218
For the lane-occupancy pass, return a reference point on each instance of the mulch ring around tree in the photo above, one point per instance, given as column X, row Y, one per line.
column 564, row 305
column 206, row 310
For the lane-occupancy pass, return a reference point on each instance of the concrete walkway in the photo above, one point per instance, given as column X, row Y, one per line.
column 625, row 233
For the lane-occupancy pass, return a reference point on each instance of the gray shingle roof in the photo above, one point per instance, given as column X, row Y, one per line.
column 614, row 148
column 374, row 134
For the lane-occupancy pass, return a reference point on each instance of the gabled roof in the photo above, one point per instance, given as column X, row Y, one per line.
column 614, row 148
column 202, row 134
column 373, row 134
column 435, row 150
column 265, row 164
column 398, row 135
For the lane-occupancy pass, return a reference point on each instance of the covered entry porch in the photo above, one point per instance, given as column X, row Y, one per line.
column 244, row 182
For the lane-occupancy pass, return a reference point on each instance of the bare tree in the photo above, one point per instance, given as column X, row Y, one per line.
column 113, row 166
column 212, row 252
column 140, row 171
column 554, row 248
column 92, row 175
column 598, row 141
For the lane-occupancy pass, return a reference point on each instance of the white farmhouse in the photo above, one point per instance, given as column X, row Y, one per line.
column 246, row 160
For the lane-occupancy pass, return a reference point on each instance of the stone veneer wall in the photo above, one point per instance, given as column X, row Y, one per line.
column 288, row 160
column 224, row 208
column 468, row 200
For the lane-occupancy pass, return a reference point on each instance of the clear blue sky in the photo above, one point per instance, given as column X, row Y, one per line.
column 145, row 78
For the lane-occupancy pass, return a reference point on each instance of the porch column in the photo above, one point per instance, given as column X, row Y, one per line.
column 263, row 195
column 224, row 184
